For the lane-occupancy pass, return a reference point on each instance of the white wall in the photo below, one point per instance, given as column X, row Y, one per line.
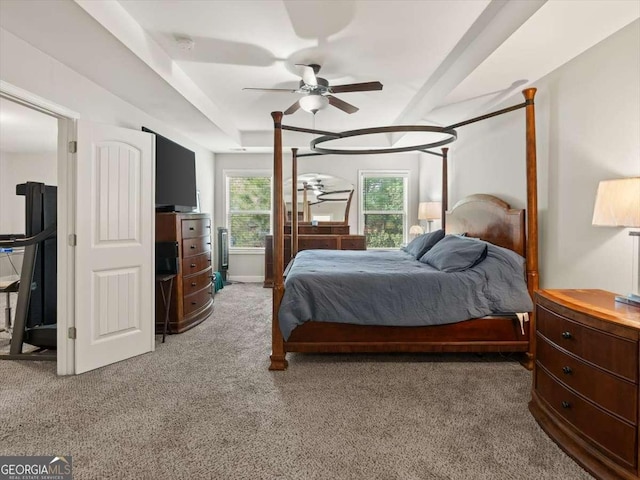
column 18, row 168
column 250, row 267
column 588, row 126
column 30, row 69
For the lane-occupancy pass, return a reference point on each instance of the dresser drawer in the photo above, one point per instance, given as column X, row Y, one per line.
column 197, row 300
column 325, row 243
column 196, row 263
column 320, row 229
column 194, row 283
column 614, row 354
column 612, row 436
column 354, row 243
column 195, row 246
column 197, row 227
column 610, row 392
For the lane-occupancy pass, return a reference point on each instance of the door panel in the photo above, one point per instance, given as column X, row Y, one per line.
column 114, row 253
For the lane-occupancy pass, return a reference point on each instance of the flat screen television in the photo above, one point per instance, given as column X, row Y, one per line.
column 175, row 176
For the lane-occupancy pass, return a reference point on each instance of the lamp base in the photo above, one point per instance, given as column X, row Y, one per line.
column 631, row 299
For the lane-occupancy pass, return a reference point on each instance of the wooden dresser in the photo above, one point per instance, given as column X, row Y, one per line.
column 319, row 229
column 191, row 297
column 309, row 241
column 585, row 385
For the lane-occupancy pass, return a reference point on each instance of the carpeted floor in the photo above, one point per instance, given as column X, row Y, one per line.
column 204, row 406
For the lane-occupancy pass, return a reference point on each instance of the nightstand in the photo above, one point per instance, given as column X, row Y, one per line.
column 585, row 380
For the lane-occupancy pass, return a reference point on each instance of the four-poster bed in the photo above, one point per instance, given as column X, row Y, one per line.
column 481, row 216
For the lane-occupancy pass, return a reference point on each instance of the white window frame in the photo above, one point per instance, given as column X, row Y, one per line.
column 227, row 214
column 405, row 174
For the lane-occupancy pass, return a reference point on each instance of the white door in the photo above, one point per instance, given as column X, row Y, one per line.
column 115, row 229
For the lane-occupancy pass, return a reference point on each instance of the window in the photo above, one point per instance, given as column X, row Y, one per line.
column 383, row 208
column 248, row 208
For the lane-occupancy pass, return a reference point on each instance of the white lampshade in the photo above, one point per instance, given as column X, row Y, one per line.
column 618, row 203
column 430, row 211
column 313, row 102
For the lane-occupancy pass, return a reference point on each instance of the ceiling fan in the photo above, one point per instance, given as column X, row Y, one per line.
column 318, row 93
column 315, row 185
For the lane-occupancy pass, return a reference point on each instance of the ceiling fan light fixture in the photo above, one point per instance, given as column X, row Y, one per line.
column 313, row 103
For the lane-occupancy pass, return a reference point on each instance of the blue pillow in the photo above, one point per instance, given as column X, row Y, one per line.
column 455, row 254
column 423, row 243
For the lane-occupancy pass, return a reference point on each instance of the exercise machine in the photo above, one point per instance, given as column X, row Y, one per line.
column 35, row 320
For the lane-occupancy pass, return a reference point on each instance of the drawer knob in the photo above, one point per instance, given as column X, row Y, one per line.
column 193, row 265
column 194, row 303
column 191, row 228
column 193, row 284
column 566, row 335
column 192, row 247
column 567, row 370
column 566, row 404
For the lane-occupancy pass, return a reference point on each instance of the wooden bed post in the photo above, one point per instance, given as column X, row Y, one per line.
column 294, row 202
column 445, row 188
column 532, row 216
column 278, row 354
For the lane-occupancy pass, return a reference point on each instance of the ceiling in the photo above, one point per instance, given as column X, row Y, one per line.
column 439, row 61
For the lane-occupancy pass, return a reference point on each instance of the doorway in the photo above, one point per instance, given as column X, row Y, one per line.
column 28, row 159
column 64, row 120
column 105, row 176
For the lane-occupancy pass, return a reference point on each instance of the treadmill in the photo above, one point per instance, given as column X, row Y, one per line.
column 35, row 320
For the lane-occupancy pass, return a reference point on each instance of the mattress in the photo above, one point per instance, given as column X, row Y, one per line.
column 392, row 288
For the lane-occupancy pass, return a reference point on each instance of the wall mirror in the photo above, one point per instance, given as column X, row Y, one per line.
column 322, row 198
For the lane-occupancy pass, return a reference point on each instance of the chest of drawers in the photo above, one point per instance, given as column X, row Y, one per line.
column 192, row 297
column 585, row 383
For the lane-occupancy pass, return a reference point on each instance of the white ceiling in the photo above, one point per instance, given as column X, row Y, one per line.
column 439, row 61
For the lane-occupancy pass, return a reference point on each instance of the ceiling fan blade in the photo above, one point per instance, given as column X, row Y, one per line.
column 342, row 105
column 292, row 109
column 309, row 73
column 283, row 90
column 356, row 87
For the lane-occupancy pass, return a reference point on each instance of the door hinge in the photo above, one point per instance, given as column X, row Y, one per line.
column 73, row 146
column 72, row 333
column 72, row 240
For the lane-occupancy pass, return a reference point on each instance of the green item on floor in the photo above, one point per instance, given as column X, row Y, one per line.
column 217, row 281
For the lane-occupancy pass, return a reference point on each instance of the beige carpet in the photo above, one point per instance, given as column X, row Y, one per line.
column 204, row 406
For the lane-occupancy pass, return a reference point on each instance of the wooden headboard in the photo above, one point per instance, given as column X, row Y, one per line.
column 491, row 219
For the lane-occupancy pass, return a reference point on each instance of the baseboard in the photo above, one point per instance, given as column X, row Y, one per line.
column 246, row 278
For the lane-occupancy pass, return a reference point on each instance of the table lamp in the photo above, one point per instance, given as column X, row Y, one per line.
column 430, row 211
column 415, row 230
column 618, row 205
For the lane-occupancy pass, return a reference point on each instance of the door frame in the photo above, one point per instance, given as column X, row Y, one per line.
column 67, row 201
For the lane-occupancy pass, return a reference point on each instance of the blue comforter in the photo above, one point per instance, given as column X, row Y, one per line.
column 391, row 287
